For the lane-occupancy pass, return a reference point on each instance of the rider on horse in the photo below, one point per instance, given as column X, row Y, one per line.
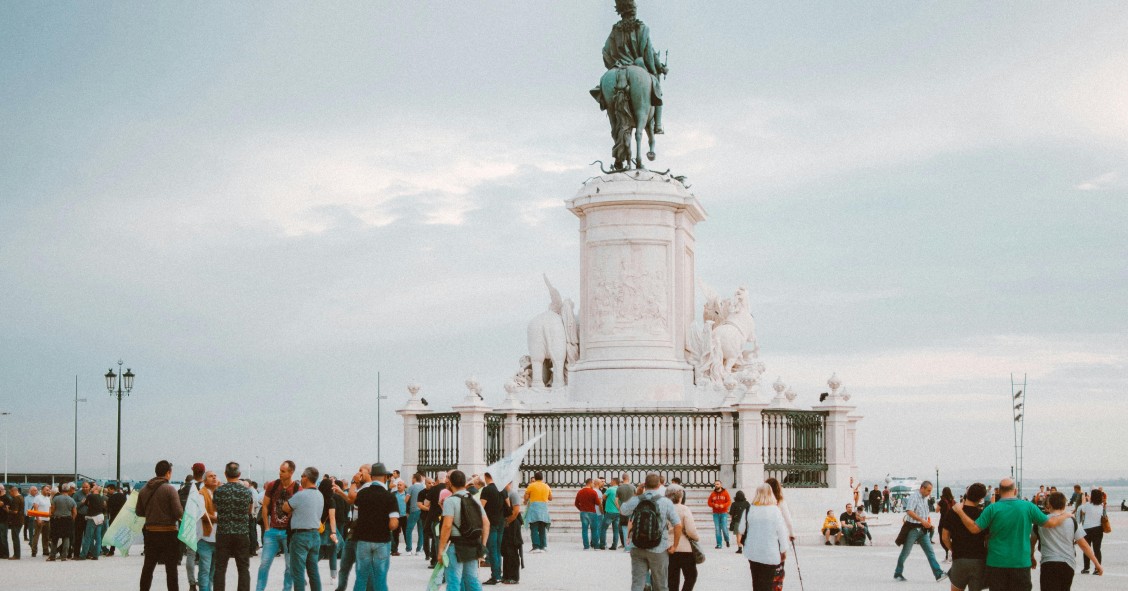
column 629, row 45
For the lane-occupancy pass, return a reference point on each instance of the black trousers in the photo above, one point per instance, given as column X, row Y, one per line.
column 430, row 541
column 1056, row 576
column 511, row 544
column 1094, row 535
column 681, row 563
column 763, row 575
column 1008, row 579
column 79, row 532
column 237, row 546
column 160, row 547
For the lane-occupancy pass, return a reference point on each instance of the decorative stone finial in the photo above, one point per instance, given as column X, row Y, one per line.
column 474, row 387
column 779, row 386
column 791, row 395
column 413, row 388
column 834, row 384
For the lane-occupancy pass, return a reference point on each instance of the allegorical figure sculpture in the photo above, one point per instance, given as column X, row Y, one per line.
column 631, row 90
column 715, row 346
column 553, row 340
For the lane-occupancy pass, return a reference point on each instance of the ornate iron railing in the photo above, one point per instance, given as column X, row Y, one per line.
column 577, row 446
column 795, row 447
column 438, row 442
column 495, row 437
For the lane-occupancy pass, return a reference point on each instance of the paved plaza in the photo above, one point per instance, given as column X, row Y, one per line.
column 566, row 567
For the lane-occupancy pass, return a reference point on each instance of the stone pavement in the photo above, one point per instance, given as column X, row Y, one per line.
column 566, row 567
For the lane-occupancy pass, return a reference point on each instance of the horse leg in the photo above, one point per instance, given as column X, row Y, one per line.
column 638, row 147
column 650, row 131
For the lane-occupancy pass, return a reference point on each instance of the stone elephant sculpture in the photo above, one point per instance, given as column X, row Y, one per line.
column 548, row 348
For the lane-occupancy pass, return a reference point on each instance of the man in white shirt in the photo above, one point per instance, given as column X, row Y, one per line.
column 916, row 510
column 42, row 502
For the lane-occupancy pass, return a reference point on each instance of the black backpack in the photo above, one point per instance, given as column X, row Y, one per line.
column 469, row 520
column 646, row 525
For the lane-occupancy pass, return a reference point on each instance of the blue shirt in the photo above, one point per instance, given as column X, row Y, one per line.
column 401, row 499
column 413, row 496
column 665, row 508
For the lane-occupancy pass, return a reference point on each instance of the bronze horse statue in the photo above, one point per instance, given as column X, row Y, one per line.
column 626, row 92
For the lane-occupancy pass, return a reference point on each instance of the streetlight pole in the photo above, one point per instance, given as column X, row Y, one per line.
column 76, row 401
column 5, row 415
column 379, row 416
column 126, row 384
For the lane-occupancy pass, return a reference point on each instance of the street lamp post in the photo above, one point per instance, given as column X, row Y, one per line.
column 124, row 385
column 5, row 415
column 76, row 401
column 379, row 416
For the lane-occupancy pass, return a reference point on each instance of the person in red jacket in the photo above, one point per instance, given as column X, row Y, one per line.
column 719, row 502
column 587, row 501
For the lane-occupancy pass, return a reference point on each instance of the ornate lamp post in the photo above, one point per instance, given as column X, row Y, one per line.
column 123, row 387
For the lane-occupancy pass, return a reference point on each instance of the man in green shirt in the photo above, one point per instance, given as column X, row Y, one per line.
column 1008, row 524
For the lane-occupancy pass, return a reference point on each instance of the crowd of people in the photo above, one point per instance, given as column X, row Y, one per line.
column 466, row 523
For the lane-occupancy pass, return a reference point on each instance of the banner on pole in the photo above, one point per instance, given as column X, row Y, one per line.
column 193, row 510
column 126, row 527
column 505, row 470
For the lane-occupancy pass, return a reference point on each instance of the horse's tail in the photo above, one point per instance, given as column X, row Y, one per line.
column 621, row 105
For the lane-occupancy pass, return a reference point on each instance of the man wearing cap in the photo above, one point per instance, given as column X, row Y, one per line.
column 377, row 516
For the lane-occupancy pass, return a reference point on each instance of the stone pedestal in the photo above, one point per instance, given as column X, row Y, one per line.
column 472, row 435
column 750, row 468
column 636, row 284
column 839, row 442
column 410, row 414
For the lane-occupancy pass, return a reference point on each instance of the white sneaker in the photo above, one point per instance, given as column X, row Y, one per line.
column 333, row 582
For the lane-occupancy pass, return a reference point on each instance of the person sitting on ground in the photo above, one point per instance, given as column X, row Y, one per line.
column 848, row 521
column 830, row 528
column 862, row 524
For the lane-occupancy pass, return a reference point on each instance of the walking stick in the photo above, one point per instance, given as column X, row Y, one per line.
column 799, row 570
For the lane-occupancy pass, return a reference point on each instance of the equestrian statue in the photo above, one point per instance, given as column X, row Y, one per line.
column 631, row 90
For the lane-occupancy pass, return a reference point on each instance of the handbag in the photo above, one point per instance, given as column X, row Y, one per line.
column 698, row 555
column 1106, row 525
column 101, row 518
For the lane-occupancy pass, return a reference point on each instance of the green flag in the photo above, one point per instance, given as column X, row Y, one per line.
column 193, row 509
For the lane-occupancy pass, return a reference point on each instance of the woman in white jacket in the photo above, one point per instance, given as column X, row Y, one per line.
column 765, row 538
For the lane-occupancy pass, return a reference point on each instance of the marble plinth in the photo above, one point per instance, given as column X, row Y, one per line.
column 637, row 285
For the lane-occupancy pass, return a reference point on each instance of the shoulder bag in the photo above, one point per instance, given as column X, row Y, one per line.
column 698, row 555
column 1106, row 526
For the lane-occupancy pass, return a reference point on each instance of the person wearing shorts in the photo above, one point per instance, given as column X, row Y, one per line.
column 969, row 551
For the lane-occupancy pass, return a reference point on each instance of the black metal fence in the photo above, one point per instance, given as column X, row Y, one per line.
column 577, row 446
column 438, row 442
column 795, row 447
column 495, row 437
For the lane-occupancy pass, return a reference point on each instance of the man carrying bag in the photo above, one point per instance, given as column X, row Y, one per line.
column 463, row 537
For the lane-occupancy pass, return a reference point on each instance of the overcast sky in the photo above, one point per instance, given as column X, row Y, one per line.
column 259, row 207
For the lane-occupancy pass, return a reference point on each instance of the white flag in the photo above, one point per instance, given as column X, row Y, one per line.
column 505, row 470
column 193, row 510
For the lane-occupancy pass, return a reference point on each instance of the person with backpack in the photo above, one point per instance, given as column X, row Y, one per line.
column 653, row 522
column 276, row 524
column 462, row 540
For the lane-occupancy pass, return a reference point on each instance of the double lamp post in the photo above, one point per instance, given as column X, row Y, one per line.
column 124, row 385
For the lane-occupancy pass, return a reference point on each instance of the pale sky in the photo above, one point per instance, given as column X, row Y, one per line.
column 260, row 207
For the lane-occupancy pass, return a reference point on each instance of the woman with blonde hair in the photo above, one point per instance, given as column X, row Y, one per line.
column 777, row 492
column 764, row 536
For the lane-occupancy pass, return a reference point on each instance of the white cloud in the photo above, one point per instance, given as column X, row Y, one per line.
column 1098, row 183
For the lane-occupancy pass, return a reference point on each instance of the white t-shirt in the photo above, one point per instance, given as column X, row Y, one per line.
column 1091, row 515
column 42, row 503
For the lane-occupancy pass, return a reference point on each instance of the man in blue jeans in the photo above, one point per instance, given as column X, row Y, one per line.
column 916, row 511
column 275, row 522
column 587, row 502
column 305, row 509
column 377, row 517
column 458, row 572
column 413, row 513
column 493, row 501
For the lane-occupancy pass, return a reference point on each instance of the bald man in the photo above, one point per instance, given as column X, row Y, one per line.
column 1010, row 521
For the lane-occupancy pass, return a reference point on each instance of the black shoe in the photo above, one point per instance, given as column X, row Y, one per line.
column 726, row 543
column 490, row 582
column 899, row 578
column 1084, row 571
